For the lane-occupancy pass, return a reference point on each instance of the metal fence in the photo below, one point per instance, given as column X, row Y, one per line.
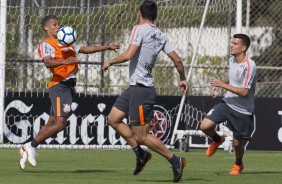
column 111, row 21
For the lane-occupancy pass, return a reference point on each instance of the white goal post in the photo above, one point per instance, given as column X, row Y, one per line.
column 176, row 135
column 3, row 15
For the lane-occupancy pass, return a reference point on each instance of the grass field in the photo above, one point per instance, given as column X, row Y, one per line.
column 89, row 166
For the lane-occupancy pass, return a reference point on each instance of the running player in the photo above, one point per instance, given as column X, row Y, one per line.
column 138, row 100
column 237, row 106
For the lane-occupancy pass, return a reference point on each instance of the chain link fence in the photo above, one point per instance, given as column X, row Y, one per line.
column 104, row 22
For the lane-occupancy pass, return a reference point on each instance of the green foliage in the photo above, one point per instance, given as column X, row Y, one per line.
column 107, row 24
column 265, row 12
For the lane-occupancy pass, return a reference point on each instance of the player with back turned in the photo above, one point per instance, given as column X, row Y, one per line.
column 137, row 101
column 62, row 62
column 237, row 106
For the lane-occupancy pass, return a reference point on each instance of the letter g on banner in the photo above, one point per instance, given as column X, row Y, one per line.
column 21, row 134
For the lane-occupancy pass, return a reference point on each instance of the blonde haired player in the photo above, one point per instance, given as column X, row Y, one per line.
column 62, row 62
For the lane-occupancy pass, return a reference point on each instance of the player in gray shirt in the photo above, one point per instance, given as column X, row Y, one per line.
column 137, row 101
column 153, row 41
column 237, row 106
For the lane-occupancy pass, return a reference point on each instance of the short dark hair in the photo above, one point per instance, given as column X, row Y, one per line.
column 149, row 10
column 245, row 39
column 46, row 19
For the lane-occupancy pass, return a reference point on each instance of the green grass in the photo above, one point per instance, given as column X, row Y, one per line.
column 89, row 166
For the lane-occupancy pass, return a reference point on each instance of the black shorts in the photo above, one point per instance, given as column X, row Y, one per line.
column 241, row 124
column 138, row 103
column 61, row 96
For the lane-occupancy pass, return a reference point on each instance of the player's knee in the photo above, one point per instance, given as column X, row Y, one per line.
column 140, row 139
column 203, row 125
column 111, row 121
column 237, row 143
column 206, row 124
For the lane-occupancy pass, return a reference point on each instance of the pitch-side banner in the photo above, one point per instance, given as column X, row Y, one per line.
column 26, row 113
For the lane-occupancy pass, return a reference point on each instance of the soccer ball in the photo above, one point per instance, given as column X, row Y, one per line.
column 66, row 35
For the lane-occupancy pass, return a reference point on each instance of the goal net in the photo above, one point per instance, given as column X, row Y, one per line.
column 101, row 23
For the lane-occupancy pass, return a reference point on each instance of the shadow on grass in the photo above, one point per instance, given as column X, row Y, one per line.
column 76, row 171
column 155, row 181
column 183, row 180
column 252, row 173
column 264, row 172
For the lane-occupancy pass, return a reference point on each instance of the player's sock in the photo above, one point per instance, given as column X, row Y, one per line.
column 34, row 144
column 173, row 159
column 216, row 138
column 239, row 161
column 138, row 151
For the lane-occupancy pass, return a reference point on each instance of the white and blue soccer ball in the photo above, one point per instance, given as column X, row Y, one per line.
column 66, row 35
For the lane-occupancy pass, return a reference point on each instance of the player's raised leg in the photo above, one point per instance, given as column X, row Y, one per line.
column 208, row 127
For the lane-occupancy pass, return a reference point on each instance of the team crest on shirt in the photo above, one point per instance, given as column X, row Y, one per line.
column 241, row 72
column 238, row 73
column 67, row 108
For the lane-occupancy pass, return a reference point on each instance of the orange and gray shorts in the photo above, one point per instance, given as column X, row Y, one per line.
column 61, row 96
column 138, row 102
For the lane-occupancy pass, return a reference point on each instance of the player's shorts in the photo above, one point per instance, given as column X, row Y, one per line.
column 138, row 102
column 61, row 96
column 241, row 124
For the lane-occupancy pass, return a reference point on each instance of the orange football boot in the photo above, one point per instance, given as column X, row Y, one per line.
column 236, row 169
column 214, row 146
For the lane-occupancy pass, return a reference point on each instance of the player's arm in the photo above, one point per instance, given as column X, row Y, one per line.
column 180, row 68
column 51, row 63
column 93, row 49
column 237, row 90
column 47, row 53
column 215, row 89
column 126, row 56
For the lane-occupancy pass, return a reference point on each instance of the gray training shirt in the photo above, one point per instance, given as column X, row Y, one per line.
column 242, row 75
column 150, row 41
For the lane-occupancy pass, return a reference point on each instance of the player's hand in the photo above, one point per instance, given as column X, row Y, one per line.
column 70, row 60
column 106, row 66
column 216, row 83
column 184, row 86
column 114, row 47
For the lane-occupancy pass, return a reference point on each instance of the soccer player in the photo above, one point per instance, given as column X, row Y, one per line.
column 62, row 62
column 237, row 106
column 137, row 101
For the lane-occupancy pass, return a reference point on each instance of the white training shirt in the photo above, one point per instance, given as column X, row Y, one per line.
column 242, row 75
column 150, row 41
